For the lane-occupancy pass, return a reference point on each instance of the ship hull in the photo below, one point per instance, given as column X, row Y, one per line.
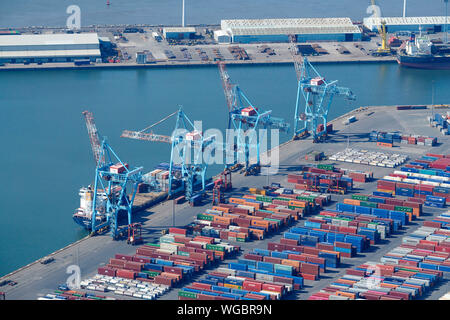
column 426, row 62
column 83, row 222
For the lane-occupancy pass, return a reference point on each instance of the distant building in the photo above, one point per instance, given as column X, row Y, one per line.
column 222, row 36
column 394, row 24
column 49, row 48
column 141, row 57
column 156, row 36
column 179, row 33
column 278, row 30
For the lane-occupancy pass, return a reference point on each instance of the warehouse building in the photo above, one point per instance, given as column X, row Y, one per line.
column 179, row 33
column 394, row 24
column 38, row 48
column 278, row 30
column 222, row 36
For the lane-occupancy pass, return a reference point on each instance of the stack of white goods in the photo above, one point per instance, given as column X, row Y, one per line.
column 370, row 158
column 125, row 287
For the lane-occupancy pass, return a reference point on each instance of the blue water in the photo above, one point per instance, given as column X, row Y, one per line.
column 20, row 13
column 46, row 155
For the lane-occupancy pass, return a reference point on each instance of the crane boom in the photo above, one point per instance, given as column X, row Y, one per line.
column 297, row 58
column 97, row 149
column 227, row 86
column 139, row 135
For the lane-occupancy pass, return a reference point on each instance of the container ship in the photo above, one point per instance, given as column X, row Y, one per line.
column 83, row 215
column 422, row 53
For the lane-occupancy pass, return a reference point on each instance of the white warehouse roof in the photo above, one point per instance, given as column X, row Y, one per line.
column 372, row 21
column 49, row 46
column 49, row 39
column 179, row 30
column 49, row 53
column 290, row 26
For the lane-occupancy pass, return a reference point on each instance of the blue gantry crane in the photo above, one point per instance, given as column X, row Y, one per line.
column 186, row 156
column 317, row 94
column 112, row 177
column 245, row 119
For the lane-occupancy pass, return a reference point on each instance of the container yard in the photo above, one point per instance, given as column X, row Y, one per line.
column 315, row 230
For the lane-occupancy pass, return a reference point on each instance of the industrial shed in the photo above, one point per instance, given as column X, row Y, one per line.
column 178, row 33
column 49, row 48
column 222, row 36
column 394, row 24
column 278, row 30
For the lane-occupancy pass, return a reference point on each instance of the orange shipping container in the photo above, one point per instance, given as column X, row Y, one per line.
column 260, row 223
column 223, row 220
column 297, row 203
column 346, row 294
column 220, row 209
column 237, row 200
column 352, row 201
column 293, row 263
column 253, row 204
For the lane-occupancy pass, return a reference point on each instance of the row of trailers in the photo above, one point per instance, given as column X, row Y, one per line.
column 184, row 171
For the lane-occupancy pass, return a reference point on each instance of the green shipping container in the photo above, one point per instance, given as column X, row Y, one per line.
column 368, row 204
column 151, row 273
column 153, row 244
column 283, row 199
column 282, row 267
column 430, row 172
column 205, row 217
column 214, row 247
column 182, row 253
column 404, row 209
column 328, row 167
column 240, row 239
column 187, row 294
column 264, row 199
column 275, row 220
column 360, row 197
column 309, row 199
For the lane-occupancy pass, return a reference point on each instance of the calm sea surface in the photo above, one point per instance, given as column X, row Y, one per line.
column 46, row 155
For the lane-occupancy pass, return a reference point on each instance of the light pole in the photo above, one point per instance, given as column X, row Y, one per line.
column 182, row 17
column 446, row 16
column 173, row 212
column 404, row 8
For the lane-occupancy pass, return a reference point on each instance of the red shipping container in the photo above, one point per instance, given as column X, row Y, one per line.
column 117, row 262
column 123, row 257
column 201, row 296
column 353, row 272
column 311, row 250
column 343, row 245
column 275, row 246
column 127, row 274
column 292, row 242
column 141, row 259
column 174, row 270
column 106, row 271
column 273, row 288
column 252, row 285
column 255, row 296
column 253, row 257
column 386, row 206
column 178, row 231
column 272, row 259
column 136, row 266
column 201, row 286
column 278, row 279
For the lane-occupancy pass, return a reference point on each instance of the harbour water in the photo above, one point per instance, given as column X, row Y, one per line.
column 46, row 153
column 20, row 13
